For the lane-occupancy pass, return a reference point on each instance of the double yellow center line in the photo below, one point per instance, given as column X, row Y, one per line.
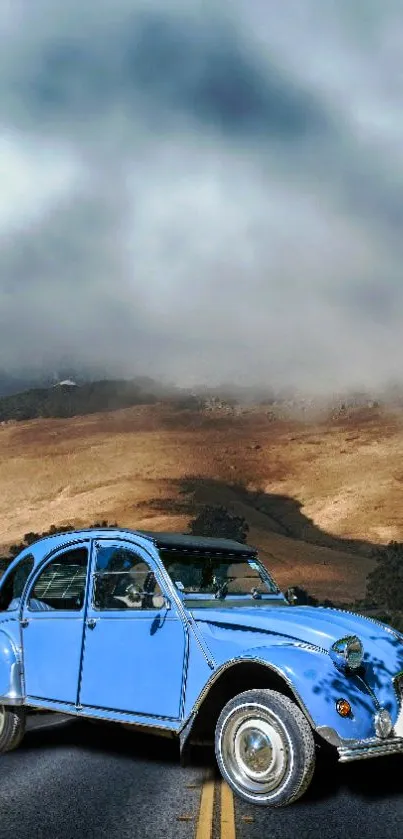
column 204, row 829
column 227, row 812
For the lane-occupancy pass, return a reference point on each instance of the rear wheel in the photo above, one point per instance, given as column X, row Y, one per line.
column 265, row 748
column 12, row 727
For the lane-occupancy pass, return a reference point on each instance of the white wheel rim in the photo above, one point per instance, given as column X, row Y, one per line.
column 2, row 718
column 259, row 749
column 255, row 750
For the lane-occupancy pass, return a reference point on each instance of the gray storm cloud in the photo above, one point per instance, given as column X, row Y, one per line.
column 203, row 192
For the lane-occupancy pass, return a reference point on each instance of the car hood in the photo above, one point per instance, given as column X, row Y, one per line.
column 316, row 626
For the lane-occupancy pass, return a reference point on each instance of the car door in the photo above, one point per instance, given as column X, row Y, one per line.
column 134, row 647
column 52, row 622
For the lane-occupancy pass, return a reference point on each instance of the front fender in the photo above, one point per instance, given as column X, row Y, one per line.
column 317, row 685
column 11, row 689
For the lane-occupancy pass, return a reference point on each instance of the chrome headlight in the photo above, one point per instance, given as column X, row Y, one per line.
column 347, row 653
column 383, row 723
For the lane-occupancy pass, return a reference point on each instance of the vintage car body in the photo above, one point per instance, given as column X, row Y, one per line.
column 99, row 623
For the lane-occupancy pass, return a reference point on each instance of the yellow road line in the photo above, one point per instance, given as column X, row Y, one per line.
column 227, row 812
column 205, row 821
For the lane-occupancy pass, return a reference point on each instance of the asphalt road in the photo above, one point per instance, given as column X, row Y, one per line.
column 75, row 779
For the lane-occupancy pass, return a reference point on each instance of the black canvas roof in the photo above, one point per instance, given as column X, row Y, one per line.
column 197, row 543
column 167, row 541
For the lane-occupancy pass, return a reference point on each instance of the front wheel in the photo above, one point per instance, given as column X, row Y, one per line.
column 265, row 748
column 12, row 727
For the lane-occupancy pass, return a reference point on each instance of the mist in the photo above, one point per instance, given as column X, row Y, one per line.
column 203, row 192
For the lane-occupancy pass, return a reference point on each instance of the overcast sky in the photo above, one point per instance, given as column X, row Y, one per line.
column 203, row 192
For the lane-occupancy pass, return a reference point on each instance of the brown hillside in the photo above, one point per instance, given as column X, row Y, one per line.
column 317, row 496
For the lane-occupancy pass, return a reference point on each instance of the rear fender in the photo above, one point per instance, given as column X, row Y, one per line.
column 11, row 686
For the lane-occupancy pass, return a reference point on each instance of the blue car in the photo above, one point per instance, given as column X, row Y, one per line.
column 191, row 638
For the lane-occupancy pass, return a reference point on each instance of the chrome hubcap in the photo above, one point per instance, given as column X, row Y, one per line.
column 254, row 750
column 259, row 751
column 2, row 718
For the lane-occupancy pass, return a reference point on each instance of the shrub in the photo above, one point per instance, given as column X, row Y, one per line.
column 385, row 582
column 218, row 522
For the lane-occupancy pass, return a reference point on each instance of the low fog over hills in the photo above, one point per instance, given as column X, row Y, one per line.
column 203, row 192
column 68, row 397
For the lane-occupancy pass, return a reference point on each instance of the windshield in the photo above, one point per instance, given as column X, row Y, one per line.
column 206, row 579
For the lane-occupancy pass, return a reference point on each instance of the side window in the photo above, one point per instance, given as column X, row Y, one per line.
column 61, row 584
column 124, row 581
column 14, row 584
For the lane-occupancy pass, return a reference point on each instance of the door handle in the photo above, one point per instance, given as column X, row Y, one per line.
column 91, row 623
column 24, row 623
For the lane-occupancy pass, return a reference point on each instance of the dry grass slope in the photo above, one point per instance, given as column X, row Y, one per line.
column 317, row 496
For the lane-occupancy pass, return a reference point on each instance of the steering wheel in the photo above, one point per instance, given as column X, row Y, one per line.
column 133, row 593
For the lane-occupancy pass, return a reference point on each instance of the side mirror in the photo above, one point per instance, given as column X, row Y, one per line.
column 159, row 601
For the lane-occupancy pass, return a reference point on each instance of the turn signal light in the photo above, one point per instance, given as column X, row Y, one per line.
column 343, row 707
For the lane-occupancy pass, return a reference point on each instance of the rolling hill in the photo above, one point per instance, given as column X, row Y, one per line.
column 318, row 495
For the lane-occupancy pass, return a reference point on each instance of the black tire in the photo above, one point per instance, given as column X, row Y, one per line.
column 12, row 727
column 265, row 748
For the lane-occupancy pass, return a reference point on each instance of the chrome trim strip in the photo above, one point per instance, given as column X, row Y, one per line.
column 330, row 735
column 12, row 700
column 185, row 731
column 399, row 692
column 398, row 726
column 88, row 712
column 369, row 691
column 384, row 626
column 364, row 749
